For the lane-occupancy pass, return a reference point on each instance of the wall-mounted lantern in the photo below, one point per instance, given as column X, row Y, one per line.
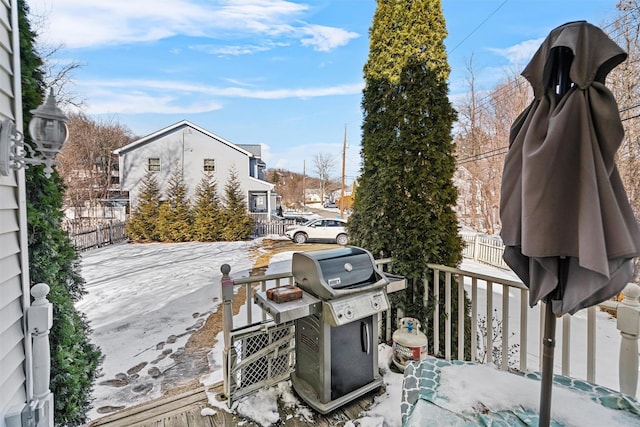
column 49, row 131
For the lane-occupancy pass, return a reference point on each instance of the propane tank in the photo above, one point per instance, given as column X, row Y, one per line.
column 408, row 343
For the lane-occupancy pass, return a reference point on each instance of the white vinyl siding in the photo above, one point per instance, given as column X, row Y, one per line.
column 13, row 383
column 186, row 152
column 12, row 350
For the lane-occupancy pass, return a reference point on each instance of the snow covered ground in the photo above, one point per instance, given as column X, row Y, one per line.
column 145, row 300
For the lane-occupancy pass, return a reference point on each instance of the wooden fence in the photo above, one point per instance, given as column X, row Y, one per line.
column 263, row 227
column 485, row 249
column 101, row 235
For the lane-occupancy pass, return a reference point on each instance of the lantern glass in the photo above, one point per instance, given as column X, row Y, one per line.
column 48, row 134
column 48, row 130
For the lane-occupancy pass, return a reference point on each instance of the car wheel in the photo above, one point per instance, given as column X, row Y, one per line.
column 300, row 238
column 342, row 239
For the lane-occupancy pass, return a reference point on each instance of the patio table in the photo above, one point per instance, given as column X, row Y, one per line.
column 422, row 399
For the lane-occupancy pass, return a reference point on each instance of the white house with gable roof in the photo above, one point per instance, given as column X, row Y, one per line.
column 195, row 151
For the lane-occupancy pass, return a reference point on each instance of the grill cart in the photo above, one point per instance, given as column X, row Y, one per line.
column 336, row 337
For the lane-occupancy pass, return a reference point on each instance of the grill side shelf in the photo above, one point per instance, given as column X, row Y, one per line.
column 290, row 310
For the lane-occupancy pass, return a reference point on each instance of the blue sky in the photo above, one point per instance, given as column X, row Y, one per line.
column 285, row 74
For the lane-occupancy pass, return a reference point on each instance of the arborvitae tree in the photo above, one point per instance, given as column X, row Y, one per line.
column 404, row 204
column 53, row 260
column 174, row 215
column 207, row 214
column 143, row 221
column 238, row 224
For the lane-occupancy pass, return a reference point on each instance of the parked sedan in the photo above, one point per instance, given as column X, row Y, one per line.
column 332, row 230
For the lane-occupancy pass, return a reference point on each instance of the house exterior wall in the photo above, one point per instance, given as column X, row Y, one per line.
column 186, row 148
column 15, row 347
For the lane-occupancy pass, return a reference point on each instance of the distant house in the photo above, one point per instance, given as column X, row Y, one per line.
column 195, row 151
column 24, row 385
column 336, row 194
column 312, row 195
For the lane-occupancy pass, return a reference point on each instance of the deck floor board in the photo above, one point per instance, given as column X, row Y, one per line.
column 184, row 410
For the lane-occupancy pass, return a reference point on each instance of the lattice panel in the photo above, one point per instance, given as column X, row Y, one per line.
column 260, row 358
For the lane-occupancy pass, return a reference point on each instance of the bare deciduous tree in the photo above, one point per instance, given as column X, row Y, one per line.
column 59, row 76
column 88, row 166
column 323, row 165
column 623, row 82
column 482, row 141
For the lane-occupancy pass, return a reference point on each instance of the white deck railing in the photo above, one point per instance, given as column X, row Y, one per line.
column 512, row 333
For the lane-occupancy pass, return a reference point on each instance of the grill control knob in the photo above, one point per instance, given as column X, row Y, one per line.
column 376, row 302
column 348, row 313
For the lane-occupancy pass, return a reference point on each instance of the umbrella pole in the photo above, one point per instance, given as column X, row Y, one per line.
column 561, row 83
column 548, row 349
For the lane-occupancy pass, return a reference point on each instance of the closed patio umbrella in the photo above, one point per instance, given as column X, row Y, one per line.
column 568, row 229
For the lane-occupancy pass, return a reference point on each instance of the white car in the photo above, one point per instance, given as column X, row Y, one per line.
column 319, row 230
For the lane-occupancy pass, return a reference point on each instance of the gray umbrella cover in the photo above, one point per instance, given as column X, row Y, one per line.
column 561, row 194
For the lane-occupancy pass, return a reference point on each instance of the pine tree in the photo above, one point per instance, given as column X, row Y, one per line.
column 238, row 224
column 404, row 204
column 174, row 215
column 143, row 221
column 207, row 214
column 53, row 260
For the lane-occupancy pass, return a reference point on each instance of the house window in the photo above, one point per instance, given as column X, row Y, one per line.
column 154, row 164
column 258, row 202
column 209, row 165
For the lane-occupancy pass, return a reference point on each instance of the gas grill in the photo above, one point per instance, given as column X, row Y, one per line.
column 336, row 336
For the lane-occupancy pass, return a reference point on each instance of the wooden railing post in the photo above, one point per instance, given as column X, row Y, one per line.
column 39, row 322
column 226, row 289
column 629, row 327
column 476, row 247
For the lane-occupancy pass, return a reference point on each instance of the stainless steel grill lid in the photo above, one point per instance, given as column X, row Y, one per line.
column 336, row 272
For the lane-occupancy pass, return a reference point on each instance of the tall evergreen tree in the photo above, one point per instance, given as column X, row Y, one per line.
column 238, row 224
column 143, row 221
column 404, row 204
column 53, row 260
column 174, row 215
column 207, row 214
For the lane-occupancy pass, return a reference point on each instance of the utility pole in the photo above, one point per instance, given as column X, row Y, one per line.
column 304, row 189
column 344, row 152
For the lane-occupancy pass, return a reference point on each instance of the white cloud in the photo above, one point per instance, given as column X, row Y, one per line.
column 236, row 50
column 236, row 92
column 324, row 39
column 81, row 23
column 139, row 102
column 230, row 50
column 167, row 97
column 521, row 53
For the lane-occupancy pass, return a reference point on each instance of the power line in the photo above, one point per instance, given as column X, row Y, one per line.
column 475, row 156
column 485, row 101
column 478, row 27
column 503, row 92
column 503, row 150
